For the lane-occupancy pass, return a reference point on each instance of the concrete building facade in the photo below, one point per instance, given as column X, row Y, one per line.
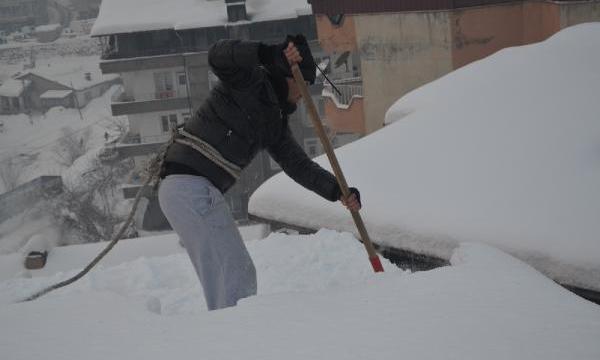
column 402, row 45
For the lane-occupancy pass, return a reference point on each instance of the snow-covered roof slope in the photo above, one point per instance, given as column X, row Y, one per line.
column 49, row 27
column 125, row 16
column 71, row 72
column 56, row 94
column 13, row 87
column 504, row 151
column 316, row 300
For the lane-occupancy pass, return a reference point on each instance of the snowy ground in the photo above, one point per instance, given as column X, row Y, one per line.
column 318, row 299
column 503, row 151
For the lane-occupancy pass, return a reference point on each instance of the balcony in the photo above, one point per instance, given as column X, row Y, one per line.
column 349, row 88
column 124, row 103
column 345, row 110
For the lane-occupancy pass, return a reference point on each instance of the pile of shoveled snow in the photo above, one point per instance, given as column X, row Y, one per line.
column 318, row 300
column 504, row 151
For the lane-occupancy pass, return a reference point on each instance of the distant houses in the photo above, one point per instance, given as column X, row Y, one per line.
column 35, row 91
column 12, row 96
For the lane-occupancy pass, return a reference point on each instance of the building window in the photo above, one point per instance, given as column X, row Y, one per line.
column 181, row 79
column 168, row 122
column 163, row 82
column 312, row 147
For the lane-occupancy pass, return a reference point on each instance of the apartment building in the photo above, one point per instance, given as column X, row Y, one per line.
column 161, row 56
column 395, row 46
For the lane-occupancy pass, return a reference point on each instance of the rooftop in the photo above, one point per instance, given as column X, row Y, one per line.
column 115, row 16
column 71, row 72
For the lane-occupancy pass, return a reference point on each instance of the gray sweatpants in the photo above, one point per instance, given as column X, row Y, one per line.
column 199, row 214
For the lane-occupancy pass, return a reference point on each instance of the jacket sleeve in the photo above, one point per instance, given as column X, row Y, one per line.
column 236, row 62
column 297, row 165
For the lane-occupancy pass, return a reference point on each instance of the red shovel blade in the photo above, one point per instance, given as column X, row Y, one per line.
column 376, row 263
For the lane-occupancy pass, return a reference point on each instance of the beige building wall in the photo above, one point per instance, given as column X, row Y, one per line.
column 336, row 38
column 541, row 20
column 481, row 31
column 400, row 52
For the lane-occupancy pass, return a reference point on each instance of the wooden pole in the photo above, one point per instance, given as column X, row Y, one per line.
column 335, row 165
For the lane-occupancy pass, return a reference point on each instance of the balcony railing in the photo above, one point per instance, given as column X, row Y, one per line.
column 148, row 96
column 349, row 89
column 110, row 53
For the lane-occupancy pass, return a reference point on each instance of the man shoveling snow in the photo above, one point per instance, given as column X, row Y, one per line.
column 247, row 111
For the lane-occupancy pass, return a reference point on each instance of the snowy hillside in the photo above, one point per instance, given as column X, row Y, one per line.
column 504, row 151
column 33, row 139
column 318, row 299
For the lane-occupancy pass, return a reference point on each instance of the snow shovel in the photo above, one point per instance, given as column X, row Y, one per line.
column 314, row 116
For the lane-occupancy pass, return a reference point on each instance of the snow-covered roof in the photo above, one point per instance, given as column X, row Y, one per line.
column 125, row 16
column 502, row 151
column 318, row 299
column 71, row 73
column 56, row 94
column 49, row 27
column 13, row 87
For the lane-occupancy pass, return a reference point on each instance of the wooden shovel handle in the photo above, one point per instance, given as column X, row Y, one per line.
column 335, row 165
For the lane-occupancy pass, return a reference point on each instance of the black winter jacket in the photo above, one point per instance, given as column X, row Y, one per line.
column 241, row 116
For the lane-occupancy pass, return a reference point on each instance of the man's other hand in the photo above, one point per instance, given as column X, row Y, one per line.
column 292, row 54
column 352, row 202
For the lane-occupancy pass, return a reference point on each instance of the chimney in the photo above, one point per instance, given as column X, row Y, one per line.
column 236, row 10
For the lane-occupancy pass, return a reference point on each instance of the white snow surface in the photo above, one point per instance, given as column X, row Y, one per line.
column 116, row 15
column 56, row 94
column 318, row 299
column 13, row 87
column 16, row 245
column 504, row 151
column 49, row 27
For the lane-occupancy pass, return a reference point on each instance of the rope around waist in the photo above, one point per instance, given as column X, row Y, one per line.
column 209, row 152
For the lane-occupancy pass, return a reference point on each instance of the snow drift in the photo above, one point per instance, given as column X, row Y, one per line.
column 504, row 151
